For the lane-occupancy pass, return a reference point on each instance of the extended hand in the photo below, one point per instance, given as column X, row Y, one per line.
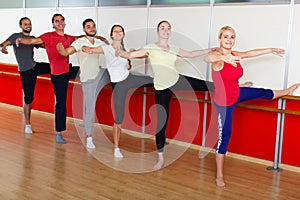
column 278, row 51
column 4, row 50
column 246, row 84
column 18, row 41
column 60, row 47
column 214, row 49
column 119, row 52
column 86, row 49
column 231, row 58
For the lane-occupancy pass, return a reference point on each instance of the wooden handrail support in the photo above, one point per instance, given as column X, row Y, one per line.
column 263, row 108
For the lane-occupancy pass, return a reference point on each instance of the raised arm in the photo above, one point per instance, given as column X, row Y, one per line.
column 191, row 54
column 259, row 52
column 28, row 41
column 65, row 52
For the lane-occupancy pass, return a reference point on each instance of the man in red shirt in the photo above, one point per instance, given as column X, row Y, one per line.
column 59, row 66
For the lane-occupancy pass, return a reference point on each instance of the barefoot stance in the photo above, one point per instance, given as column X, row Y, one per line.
column 222, row 60
column 220, row 182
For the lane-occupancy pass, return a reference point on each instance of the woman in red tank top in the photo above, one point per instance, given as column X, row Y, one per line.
column 226, row 72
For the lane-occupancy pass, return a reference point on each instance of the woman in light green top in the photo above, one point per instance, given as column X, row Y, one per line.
column 167, row 79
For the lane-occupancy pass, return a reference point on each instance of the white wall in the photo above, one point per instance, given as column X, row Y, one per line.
column 189, row 31
column 10, row 24
column 134, row 21
column 257, row 26
column 294, row 66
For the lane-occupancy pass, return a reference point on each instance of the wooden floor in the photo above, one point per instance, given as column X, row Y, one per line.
column 35, row 167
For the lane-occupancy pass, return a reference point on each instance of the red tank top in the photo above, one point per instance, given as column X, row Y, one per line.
column 226, row 83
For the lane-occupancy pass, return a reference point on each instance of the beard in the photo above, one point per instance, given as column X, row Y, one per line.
column 26, row 31
column 91, row 35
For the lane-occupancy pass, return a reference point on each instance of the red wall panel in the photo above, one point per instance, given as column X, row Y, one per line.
column 253, row 131
column 76, row 97
column 104, row 114
column 291, row 135
column 43, row 95
column 10, row 85
column 133, row 113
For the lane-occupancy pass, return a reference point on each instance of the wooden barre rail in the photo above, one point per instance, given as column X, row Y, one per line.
column 262, row 108
column 38, row 77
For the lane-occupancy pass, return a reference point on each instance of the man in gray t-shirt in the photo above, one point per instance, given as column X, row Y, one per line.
column 27, row 67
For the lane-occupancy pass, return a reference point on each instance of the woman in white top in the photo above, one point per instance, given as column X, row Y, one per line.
column 167, row 79
column 121, row 78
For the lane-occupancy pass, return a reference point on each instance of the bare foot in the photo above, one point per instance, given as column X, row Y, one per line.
column 292, row 88
column 220, row 183
column 160, row 162
column 246, row 84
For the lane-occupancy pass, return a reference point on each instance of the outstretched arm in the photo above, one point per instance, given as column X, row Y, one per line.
column 28, row 41
column 215, row 57
column 259, row 52
column 3, row 46
column 191, row 54
column 93, row 50
column 140, row 53
column 65, row 52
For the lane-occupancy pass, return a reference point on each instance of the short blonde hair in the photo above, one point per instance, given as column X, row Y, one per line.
column 225, row 28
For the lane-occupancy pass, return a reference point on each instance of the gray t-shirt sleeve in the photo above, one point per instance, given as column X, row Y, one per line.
column 13, row 38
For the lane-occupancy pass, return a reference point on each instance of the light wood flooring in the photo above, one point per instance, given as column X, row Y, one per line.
column 35, row 167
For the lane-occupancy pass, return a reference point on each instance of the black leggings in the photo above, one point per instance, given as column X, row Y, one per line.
column 162, row 99
column 120, row 90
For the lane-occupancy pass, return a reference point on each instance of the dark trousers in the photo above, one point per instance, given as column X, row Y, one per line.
column 162, row 100
column 28, row 79
column 120, row 90
column 60, row 85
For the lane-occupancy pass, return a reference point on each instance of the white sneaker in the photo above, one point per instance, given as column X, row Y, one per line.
column 118, row 153
column 28, row 129
column 89, row 143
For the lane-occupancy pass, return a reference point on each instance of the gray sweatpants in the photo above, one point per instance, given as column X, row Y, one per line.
column 91, row 90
